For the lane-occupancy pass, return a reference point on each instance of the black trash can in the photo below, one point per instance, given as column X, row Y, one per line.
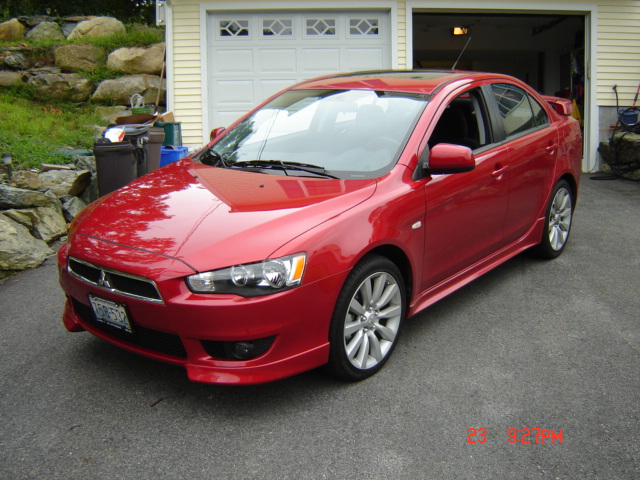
column 116, row 164
column 138, row 136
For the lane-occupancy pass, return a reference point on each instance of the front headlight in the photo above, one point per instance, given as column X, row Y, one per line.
column 252, row 279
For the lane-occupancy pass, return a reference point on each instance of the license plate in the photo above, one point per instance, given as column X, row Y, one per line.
column 111, row 313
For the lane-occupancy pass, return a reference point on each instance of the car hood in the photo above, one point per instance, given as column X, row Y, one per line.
column 211, row 217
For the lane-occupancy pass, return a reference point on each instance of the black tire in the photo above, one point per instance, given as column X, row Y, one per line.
column 557, row 224
column 364, row 331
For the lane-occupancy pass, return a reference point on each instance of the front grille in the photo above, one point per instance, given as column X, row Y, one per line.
column 153, row 340
column 225, row 350
column 85, row 271
column 114, row 281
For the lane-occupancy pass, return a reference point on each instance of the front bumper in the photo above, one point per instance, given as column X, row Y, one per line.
column 199, row 331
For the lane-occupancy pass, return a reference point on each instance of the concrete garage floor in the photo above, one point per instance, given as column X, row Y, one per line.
column 549, row 345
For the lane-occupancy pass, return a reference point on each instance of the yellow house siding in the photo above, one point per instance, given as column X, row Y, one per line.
column 187, row 70
column 402, row 35
column 618, row 40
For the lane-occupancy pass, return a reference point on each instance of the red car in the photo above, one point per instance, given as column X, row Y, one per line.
column 305, row 233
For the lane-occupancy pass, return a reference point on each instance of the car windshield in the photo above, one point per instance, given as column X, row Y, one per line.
column 329, row 133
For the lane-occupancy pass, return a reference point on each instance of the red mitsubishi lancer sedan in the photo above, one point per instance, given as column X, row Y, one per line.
column 305, row 233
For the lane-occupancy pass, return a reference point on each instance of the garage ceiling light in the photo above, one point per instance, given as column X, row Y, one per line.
column 460, row 31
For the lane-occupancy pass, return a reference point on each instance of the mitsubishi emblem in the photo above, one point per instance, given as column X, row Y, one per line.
column 104, row 280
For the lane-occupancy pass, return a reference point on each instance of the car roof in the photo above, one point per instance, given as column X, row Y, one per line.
column 416, row 81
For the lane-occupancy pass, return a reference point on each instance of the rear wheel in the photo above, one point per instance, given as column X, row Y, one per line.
column 367, row 318
column 557, row 225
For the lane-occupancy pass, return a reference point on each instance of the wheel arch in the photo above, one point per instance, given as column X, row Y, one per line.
column 401, row 260
column 573, row 184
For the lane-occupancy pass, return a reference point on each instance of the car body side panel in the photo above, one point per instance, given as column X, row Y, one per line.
column 438, row 284
column 465, row 217
column 570, row 150
column 531, row 175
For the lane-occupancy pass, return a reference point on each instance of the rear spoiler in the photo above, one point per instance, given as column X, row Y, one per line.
column 562, row 106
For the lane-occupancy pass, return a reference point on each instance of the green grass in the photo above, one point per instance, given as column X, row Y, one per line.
column 33, row 131
column 135, row 36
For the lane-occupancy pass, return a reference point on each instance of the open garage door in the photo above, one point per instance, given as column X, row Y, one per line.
column 545, row 50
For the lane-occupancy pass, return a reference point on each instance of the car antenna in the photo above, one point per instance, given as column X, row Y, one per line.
column 463, row 49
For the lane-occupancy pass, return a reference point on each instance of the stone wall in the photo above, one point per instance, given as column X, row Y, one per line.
column 36, row 207
column 55, row 72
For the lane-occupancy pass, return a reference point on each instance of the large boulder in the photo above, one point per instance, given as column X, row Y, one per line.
column 26, row 179
column 69, row 23
column 46, row 31
column 8, row 78
column 121, row 89
column 67, row 86
column 65, row 182
column 16, row 59
column 97, row 27
column 78, row 58
column 19, row 250
column 138, row 59
column 45, row 223
column 11, row 30
column 91, row 193
column 71, row 207
column 35, row 20
column 12, row 197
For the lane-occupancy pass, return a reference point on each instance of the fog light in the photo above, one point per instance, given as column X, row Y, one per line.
column 239, row 350
column 242, row 350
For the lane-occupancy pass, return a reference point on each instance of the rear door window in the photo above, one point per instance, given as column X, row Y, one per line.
column 519, row 111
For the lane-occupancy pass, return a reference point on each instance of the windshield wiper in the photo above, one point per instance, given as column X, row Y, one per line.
column 215, row 159
column 279, row 164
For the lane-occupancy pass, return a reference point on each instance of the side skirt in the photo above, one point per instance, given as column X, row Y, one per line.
column 466, row 276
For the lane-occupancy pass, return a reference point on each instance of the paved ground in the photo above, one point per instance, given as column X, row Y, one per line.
column 548, row 345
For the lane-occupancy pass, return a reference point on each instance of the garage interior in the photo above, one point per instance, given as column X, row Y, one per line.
column 547, row 51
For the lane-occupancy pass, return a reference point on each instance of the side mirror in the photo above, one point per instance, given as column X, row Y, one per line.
column 216, row 132
column 447, row 158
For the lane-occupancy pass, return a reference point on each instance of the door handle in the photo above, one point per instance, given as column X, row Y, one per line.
column 551, row 149
column 499, row 172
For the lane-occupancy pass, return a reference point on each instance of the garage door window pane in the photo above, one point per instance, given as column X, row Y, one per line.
column 321, row 26
column 364, row 26
column 234, row 28
column 279, row 27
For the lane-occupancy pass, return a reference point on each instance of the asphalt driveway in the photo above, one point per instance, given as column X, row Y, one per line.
column 553, row 346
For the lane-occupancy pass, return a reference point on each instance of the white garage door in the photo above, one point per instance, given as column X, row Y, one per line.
column 254, row 55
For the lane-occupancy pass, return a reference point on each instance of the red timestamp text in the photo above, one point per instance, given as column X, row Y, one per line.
column 534, row 435
column 523, row 435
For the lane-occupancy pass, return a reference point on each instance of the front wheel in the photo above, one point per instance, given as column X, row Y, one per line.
column 367, row 318
column 557, row 224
